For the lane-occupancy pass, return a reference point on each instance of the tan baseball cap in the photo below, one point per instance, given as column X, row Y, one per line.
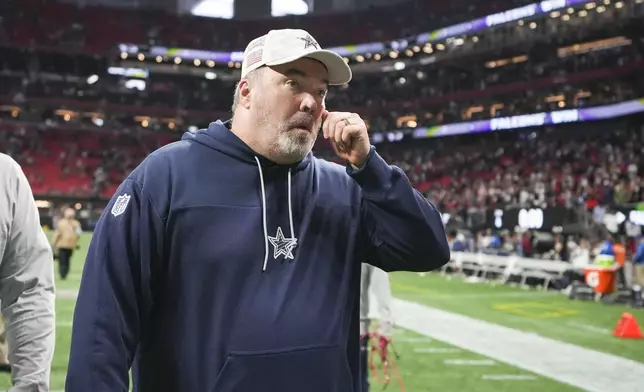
column 283, row 46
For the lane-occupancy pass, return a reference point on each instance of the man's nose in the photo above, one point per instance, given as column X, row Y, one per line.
column 309, row 104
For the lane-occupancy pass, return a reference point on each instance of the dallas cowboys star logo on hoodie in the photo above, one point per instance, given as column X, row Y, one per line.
column 282, row 245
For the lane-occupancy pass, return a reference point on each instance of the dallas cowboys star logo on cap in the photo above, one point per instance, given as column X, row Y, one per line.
column 282, row 245
column 309, row 41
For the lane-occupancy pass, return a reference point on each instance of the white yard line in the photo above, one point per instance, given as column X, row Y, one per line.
column 581, row 367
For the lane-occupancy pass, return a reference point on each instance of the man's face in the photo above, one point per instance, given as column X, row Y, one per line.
column 69, row 213
column 288, row 101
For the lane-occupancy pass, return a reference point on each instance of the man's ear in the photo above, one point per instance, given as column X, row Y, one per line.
column 245, row 93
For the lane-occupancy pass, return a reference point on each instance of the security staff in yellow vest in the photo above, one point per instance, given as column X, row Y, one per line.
column 65, row 241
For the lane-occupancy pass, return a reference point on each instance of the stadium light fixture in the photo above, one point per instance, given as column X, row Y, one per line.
column 223, row 9
column 399, row 66
column 92, row 79
column 289, row 7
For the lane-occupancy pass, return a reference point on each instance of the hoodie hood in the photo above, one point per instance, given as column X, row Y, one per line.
column 218, row 136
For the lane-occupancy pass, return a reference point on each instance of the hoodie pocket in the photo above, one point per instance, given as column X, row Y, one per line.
column 311, row 369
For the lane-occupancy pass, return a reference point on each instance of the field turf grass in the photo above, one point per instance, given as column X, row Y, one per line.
column 426, row 364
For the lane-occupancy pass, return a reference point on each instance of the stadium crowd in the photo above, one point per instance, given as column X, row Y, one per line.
column 570, row 166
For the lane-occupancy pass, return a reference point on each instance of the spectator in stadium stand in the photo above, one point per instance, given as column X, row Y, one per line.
column 230, row 260
column 26, row 284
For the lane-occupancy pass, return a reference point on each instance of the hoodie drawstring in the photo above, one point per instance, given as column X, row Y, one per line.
column 290, row 210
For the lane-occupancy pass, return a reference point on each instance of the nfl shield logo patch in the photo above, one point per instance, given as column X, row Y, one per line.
column 120, row 204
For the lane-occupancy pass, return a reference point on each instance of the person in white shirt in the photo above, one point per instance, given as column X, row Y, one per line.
column 26, row 283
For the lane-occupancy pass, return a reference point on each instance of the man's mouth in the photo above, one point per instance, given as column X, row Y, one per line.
column 306, row 127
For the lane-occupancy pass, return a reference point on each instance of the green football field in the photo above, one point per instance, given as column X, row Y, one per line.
column 427, row 364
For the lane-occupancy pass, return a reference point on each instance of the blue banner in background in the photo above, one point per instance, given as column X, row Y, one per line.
column 517, row 122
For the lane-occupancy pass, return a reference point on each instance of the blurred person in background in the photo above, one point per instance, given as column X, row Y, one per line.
column 65, row 240
column 26, row 284
column 459, row 242
column 579, row 259
column 620, row 259
column 638, row 264
column 231, row 260
column 374, row 285
column 605, row 252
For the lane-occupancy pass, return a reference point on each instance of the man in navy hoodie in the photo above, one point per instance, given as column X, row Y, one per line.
column 230, row 261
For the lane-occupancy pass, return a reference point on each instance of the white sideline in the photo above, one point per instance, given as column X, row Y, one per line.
column 587, row 369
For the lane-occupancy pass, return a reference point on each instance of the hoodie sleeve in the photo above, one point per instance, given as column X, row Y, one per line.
column 26, row 282
column 403, row 230
column 115, row 294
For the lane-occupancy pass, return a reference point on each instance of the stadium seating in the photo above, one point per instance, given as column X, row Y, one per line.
column 45, row 23
column 59, row 161
column 572, row 167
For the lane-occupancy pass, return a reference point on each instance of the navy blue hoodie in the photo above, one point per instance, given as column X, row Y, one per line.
column 213, row 269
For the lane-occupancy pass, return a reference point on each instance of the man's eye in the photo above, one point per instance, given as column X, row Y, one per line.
column 292, row 83
column 322, row 93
